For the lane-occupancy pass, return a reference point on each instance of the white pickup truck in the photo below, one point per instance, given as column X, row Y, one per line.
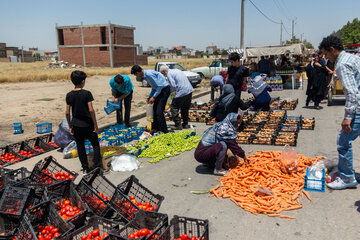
column 215, row 67
column 194, row 78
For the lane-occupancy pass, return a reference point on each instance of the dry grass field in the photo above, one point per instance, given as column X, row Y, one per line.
column 37, row 71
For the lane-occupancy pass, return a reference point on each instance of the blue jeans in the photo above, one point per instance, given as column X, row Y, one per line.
column 345, row 150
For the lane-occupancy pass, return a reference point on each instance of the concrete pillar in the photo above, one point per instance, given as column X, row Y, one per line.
column 82, row 45
column 111, row 47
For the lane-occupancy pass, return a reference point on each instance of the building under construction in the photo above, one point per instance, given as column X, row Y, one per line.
column 101, row 45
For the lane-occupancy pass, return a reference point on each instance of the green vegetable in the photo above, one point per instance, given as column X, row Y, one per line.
column 200, row 192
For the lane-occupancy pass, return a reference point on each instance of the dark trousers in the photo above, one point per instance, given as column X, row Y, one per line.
column 82, row 133
column 159, row 123
column 127, row 104
column 213, row 93
column 181, row 104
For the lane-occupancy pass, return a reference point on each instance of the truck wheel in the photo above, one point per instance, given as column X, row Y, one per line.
column 201, row 75
column 330, row 96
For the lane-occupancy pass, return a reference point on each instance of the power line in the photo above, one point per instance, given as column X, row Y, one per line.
column 278, row 5
column 263, row 13
column 286, row 30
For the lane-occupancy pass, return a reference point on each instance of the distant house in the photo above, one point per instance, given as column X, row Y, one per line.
column 3, row 55
column 180, row 50
column 211, row 49
column 49, row 55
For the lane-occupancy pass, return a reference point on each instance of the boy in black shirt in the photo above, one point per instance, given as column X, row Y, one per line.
column 83, row 124
column 236, row 73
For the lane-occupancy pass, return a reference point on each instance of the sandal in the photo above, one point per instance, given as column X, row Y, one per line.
column 220, row 172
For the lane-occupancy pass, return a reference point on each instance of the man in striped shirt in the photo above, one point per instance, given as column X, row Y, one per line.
column 347, row 67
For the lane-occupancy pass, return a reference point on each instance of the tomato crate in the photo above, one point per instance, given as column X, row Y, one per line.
column 23, row 150
column 14, row 201
column 96, row 203
column 94, row 223
column 8, row 227
column 184, row 225
column 39, row 145
column 58, row 193
column 8, row 156
column 123, row 203
column 37, row 218
column 48, row 171
column 156, row 222
column 49, row 139
column 11, row 177
column 43, row 128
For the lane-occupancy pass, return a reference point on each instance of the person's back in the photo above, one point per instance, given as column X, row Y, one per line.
column 264, row 65
column 179, row 82
column 260, row 91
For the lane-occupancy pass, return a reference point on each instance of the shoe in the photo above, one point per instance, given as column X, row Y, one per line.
column 176, row 127
column 339, row 184
column 187, row 126
column 105, row 171
column 317, row 107
column 221, row 172
column 307, row 104
column 85, row 171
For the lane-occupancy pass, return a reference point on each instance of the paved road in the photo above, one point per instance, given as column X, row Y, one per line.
column 330, row 215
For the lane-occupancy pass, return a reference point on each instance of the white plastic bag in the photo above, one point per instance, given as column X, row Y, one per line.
column 150, row 113
column 289, row 158
column 315, row 171
column 124, row 163
column 145, row 135
column 70, row 151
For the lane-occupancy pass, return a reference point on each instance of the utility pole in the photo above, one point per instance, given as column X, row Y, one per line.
column 280, row 32
column 22, row 54
column 242, row 25
column 292, row 33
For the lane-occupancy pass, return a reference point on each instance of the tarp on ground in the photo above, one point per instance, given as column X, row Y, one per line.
column 295, row 49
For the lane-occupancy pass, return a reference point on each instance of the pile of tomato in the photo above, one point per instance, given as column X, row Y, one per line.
column 104, row 197
column 186, row 237
column 95, row 202
column 94, row 235
column 47, row 232
column 143, row 233
column 53, row 144
column 39, row 149
column 45, row 179
column 63, row 176
column 9, row 157
column 143, row 206
column 66, row 210
column 14, row 208
column 26, row 153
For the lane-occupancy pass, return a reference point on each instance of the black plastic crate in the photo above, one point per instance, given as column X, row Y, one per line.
column 95, row 202
column 38, row 145
column 45, row 171
column 49, row 139
column 22, row 146
column 37, row 186
column 102, row 224
column 43, row 214
column 131, row 187
column 96, row 180
column 156, row 222
column 9, row 150
column 8, row 227
column 12, row 177
column 65, row 190
column 14, row 201
column 184, row 225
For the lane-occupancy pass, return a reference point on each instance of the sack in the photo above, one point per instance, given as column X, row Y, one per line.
column 288, row 159
column 124, row 163
column 150, row 113
column 62, row 136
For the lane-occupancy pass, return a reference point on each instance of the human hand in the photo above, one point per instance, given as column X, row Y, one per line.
column 71, row 132
column 318, row 64
column 346, row 127
column 115, row 99
column 151, row 100
column 95, row 129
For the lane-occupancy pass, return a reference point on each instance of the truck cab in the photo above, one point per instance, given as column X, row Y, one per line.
column 215, row 67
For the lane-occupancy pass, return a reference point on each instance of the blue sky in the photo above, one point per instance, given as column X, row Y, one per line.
column 196, row 23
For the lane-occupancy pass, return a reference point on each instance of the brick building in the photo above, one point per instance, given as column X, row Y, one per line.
column 103, row 45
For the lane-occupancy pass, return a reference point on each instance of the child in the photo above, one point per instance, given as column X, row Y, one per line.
column 83, row 124
column 260, row 91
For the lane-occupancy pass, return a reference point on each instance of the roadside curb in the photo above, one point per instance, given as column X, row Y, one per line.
column 142, row 115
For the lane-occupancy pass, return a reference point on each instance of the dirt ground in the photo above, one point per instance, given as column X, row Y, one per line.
column 38, row 102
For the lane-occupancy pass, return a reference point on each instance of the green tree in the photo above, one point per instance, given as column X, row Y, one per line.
column 224, row 52
column 350, row 32
column 216, row 53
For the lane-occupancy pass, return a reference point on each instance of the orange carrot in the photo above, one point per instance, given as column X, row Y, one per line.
column 286, row 216
column 307, row 194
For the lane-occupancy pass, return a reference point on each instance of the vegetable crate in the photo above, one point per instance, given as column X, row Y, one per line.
column 24, row 150
column 96, row 191
column 45, row 171
column 49, row 139
column 14, row 201
column 8, row 156
column 39, row 145
column 131, row 187
column 65, row 190
column 43, row 128
column 312, row 184
column 18, row 128
column 11, row 177
column 95, row 223
column 8, row 227
column 184, row 225
column 156, row 222
column 43, row 214
column 308, row 124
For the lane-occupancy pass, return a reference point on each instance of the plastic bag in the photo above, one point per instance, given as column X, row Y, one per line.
column 145, row 135
column 150, row 113
column 70, row 151
column 124, row 163
column 62, row 136
column 289, row 159
column 315, row 171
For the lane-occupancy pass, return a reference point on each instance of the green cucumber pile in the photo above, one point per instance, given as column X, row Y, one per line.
column 166, row 145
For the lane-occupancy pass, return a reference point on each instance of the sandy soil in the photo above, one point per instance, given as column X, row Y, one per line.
column 39, row 102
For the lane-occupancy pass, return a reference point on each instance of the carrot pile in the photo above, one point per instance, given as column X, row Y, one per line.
column 264, row 171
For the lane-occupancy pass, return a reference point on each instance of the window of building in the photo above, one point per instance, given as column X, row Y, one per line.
column 103, row 38
column 61, row 36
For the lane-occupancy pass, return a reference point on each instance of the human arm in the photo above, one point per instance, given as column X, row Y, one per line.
column 93, row 117
column 241, row 104
column 67, row 115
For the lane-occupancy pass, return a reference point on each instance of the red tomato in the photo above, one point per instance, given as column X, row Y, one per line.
column 56, row 234
column 184, row 237
column 55, row 230
column 193, row 238
column 95, row 233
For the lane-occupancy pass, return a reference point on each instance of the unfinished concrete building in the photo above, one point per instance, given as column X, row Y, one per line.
column 102, row 45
